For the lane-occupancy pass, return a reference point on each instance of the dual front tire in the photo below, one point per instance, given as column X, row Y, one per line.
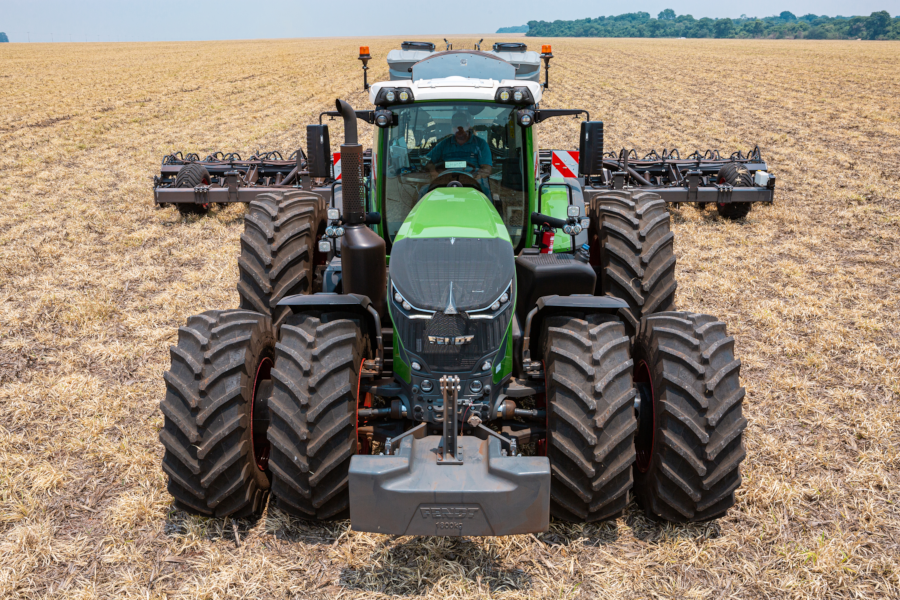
column 662, row 422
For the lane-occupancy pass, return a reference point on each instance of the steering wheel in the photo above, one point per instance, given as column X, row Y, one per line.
column 461, row 177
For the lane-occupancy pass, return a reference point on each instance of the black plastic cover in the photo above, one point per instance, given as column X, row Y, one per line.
column 426, row 46
column 539, row 275
column 510, row 47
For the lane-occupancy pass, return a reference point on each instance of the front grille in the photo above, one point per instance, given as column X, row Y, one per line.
column 487, row 337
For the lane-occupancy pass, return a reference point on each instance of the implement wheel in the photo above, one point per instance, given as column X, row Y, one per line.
column 590, row 416
column 736, row 175
column 689, row 440
column 313, row 407
column 636, row 252
column 191, row 175
column 216, row 415
column 279, row 250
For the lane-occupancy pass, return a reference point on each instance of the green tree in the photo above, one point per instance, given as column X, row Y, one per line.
column 878, row 24
column 755, row 28
column 666, row 15
column 724, row 28
column 3, row 37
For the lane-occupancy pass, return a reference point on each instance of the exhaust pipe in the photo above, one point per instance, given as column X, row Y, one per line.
column 362, row 250
column 351, row 167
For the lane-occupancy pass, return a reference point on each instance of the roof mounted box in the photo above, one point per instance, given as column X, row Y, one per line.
column 527, row 65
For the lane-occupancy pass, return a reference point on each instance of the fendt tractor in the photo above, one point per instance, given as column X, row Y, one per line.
column 453, row 337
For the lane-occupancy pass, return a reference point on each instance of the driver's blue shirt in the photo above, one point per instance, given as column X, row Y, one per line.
column 475, row 152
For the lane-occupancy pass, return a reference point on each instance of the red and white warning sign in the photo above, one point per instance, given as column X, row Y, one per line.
column 564, row 163
column 337, row 164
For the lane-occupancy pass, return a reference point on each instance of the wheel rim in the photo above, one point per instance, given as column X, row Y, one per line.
column 258, row 425
column 646, row 416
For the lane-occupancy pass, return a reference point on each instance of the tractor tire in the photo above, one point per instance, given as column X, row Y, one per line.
column 215, row 415
column 689, row 445
column 735, row 175
column 590, row 416
column 191, row 175
column 278, row 250
column 636, row 253
column 313, row 406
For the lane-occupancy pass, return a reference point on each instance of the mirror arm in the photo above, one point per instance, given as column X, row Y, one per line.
column 548, row 113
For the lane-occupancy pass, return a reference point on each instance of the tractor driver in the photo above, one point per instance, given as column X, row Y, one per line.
column 463, row 145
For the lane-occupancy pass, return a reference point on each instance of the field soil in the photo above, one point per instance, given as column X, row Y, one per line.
column 95, row 281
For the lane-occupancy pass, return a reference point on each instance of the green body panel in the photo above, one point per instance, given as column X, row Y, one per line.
column 401, row 369
column 453, row 212
column 505, row 361
column 554, row 202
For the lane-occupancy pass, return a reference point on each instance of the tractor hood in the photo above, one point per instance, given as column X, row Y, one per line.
column 452, row 253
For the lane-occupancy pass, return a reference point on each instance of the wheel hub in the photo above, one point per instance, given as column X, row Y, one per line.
column 259, row 414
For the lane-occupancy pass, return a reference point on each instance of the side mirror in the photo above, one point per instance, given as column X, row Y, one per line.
column 318, row 150
column 590, row 148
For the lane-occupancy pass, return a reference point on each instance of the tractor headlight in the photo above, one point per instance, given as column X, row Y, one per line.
column 514, row 95
column 526, row 118
column 384, row 118
column 389, row 95
column 490, row 311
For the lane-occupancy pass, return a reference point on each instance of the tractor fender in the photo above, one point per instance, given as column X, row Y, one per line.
column 352, row 303
column 550, row 305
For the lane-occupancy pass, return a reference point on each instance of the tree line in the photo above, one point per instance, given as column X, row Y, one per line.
column 877, row 26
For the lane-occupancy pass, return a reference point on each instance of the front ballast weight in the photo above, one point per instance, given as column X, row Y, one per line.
column 450, row 485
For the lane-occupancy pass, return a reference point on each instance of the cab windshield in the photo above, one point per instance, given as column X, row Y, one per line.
column 475, row 145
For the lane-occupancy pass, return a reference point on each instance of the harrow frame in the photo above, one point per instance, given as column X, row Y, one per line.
column 676, row 179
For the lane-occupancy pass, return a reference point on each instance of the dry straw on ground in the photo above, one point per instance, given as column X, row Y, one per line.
column 94, row 283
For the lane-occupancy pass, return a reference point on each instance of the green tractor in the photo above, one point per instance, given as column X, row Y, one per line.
column 448, row 340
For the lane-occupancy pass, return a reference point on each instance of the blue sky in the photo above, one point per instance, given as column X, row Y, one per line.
column 144, row 20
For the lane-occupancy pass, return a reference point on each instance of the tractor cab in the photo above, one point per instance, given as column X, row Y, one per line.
column 463, row 138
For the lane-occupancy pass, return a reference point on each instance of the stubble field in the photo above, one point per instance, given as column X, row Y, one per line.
column 94, row 282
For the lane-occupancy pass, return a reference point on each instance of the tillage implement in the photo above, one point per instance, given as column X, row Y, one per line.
column 450, row 338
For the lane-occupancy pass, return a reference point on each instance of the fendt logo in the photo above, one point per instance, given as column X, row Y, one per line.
column 450, row 341
column 448, row 512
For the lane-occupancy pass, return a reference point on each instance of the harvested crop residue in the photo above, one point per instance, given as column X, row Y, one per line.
column 94, row 282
